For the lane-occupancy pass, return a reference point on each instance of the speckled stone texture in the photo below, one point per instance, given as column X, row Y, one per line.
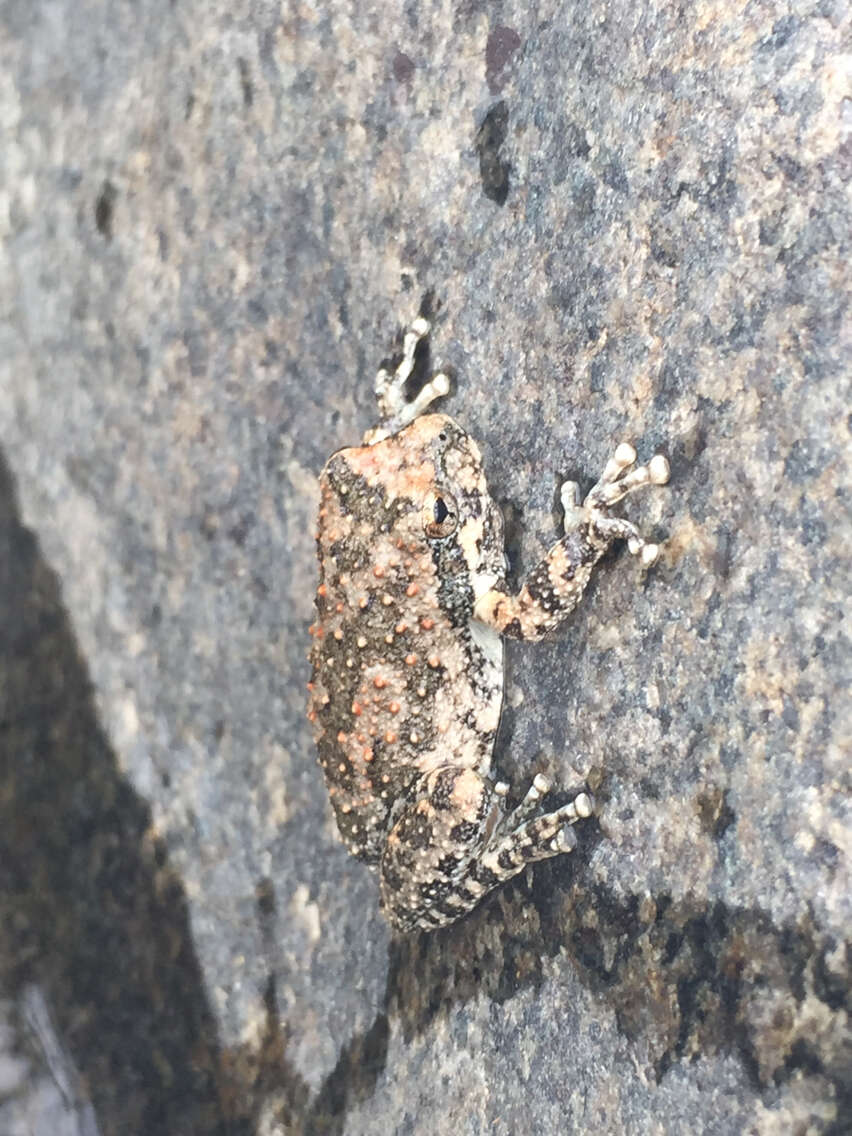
column 633, row 222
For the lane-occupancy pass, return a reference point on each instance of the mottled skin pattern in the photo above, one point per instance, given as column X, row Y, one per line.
column 407, row 655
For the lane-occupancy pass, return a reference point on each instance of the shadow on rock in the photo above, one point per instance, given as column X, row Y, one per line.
column 689, row 979
column 94, row 920
column 91, row 915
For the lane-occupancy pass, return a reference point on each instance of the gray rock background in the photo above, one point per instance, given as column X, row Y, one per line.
column 633, row 222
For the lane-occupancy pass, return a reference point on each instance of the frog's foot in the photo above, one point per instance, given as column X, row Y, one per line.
column 620, row 477
column 395, row 410
column 522, row 837
column 553, row 588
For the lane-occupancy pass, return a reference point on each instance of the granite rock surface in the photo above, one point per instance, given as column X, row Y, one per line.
column 629, row 220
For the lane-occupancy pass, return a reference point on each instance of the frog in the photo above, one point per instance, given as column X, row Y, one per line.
column 407, row 683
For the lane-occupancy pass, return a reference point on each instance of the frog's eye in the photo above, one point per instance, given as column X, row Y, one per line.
column 440, row 515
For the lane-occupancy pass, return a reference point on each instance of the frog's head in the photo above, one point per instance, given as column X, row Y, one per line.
column 423, row 491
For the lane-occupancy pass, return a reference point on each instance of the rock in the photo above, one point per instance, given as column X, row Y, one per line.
column 214, row 221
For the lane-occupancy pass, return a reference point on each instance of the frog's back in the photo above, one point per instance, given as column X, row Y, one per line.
column 400, row 684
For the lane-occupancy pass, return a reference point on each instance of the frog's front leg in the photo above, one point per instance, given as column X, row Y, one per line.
column 395, row 409
column 554, row 587
column 453, row 844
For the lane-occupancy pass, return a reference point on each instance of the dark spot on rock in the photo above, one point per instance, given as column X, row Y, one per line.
column 104, row 209
column 782, row 31
column 493, row 171
column 615, row 177
column 769, row 228
column 196, row 350
column 673, row 380
column 790, row 714
column 583, row 196
column 403, row 67
column 714, row 812
column 245, row 83
column 830, row 982
column 803, row 462
column 723, row 554
column 69, row 179
column 239, row 531
column 814, row 532
column 802, row 1058
column 265, row 897
column 501, row 46
column 574, row 141
column 826, row 853
column 256, row 313
column 663, row 250
column 790, row 168
column 589, row 951
column 649, row 789
column 674, row 941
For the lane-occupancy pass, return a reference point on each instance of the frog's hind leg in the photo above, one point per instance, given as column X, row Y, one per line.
column 453, row 844
column 395, row 411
